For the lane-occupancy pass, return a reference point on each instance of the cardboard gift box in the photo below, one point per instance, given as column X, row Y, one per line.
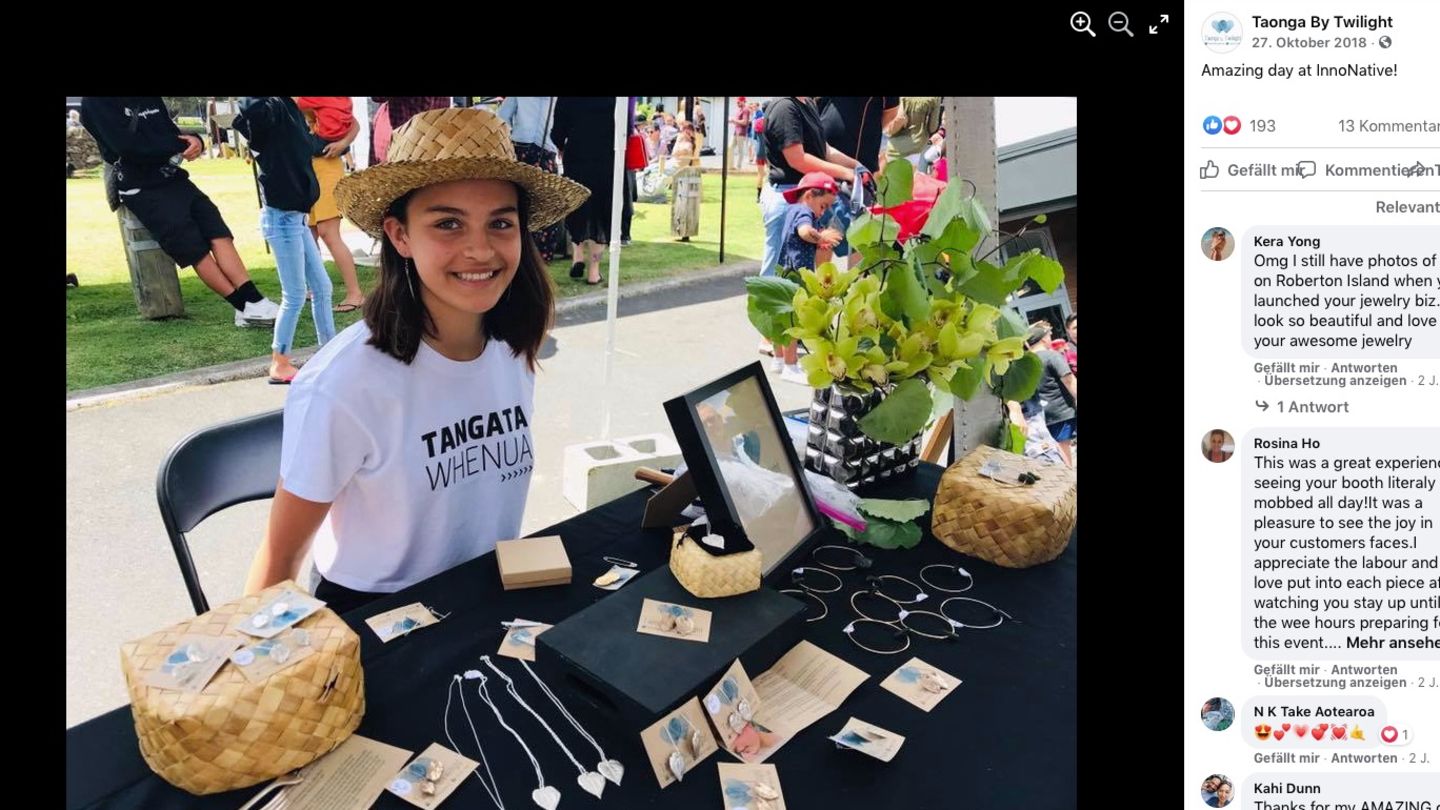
column 532, row 563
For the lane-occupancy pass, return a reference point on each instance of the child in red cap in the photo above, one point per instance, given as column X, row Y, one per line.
column 809, row 242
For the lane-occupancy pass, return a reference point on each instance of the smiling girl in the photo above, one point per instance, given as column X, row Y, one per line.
column 407, row 446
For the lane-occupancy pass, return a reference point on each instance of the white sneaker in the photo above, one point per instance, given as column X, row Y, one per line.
column 269, row 309
column 795, row 374
column 257, row 314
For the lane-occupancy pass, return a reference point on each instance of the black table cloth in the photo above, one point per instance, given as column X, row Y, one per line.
column 1005, row 738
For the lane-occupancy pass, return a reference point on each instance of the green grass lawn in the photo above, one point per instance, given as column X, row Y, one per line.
column 107, row 342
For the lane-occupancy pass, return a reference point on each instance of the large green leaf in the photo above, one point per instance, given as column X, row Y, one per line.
column 958, row 237
column 943, row 400
column 904, row 294
column 863, row 230
column 966, row 380
column 1047, row 272
column 889, row 229
column 990, row 284
column 889, row 509
column 975, row 216
column 890, row 534
column 1013, row 438
column 1019, row 382
column 896, row 184
column 769, row 305
column 901, row 416
column 947, row 208
column 1010, row 324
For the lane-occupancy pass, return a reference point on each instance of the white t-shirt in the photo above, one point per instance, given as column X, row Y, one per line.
column 425, row 465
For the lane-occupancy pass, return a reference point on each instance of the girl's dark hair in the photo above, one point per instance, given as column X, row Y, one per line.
column 397, row 319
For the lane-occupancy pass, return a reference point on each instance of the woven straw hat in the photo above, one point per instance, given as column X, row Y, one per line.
column 437, row 146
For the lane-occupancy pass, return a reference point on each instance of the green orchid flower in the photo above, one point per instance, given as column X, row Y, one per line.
column 981, row 321
column 832, row 362
column 1002, row 353
column 828, row 281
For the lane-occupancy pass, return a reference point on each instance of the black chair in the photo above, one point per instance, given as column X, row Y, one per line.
column 213, row 469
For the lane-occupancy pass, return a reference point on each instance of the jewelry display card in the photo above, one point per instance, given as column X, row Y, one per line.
column 869, row 739
column 738, row 714
column 617, row 576
column 193, row 662
column 415, row 784
column 278, row 612
column 750, row 787
column 674, row 621
column 920, row 684
column 806, row 684
column 352, row 777
column 519, row 639
column 678, row 742
column 393, row 624
column 264, row 658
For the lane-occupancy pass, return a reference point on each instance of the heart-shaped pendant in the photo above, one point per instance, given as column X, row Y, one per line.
column 764, row 791
column 611, row 769
column 735, row 722
column 592, row 783
column 547, row 797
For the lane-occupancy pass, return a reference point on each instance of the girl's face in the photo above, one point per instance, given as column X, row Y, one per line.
column 464, row 239
column 1222, row 795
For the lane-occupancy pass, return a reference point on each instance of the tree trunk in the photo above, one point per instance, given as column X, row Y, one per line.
column 153, row 275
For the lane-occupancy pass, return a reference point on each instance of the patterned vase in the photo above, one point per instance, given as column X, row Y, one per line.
column 837, row 448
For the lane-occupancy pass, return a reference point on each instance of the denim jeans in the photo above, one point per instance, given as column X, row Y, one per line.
column 772, row 213
column 297, row 261
column 838, row 217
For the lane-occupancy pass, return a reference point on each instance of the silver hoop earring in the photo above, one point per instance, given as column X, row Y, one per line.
column 802, row 592
column 876, row 584
column 861, row 561
column 996, row 611
column 797, row 576
column 950, row 624
column 900, row 633
column 949, row 569
column 899, row 611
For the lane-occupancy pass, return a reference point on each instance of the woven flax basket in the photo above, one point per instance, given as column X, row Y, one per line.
column 234, row 733
column 713, row 575
column 1004, row 522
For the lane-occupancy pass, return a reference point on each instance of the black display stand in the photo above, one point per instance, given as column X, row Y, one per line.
column 634, row 677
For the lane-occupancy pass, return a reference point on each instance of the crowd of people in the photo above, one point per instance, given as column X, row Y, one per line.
column 467, row 204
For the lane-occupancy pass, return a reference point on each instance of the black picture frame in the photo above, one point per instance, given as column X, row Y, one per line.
column 700, row 459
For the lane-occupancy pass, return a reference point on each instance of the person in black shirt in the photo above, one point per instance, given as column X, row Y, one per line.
column 794, row 145
column 584, row 132
column 144, row 147
column 853, row 125
column 280, row 140
column 1055, row 392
